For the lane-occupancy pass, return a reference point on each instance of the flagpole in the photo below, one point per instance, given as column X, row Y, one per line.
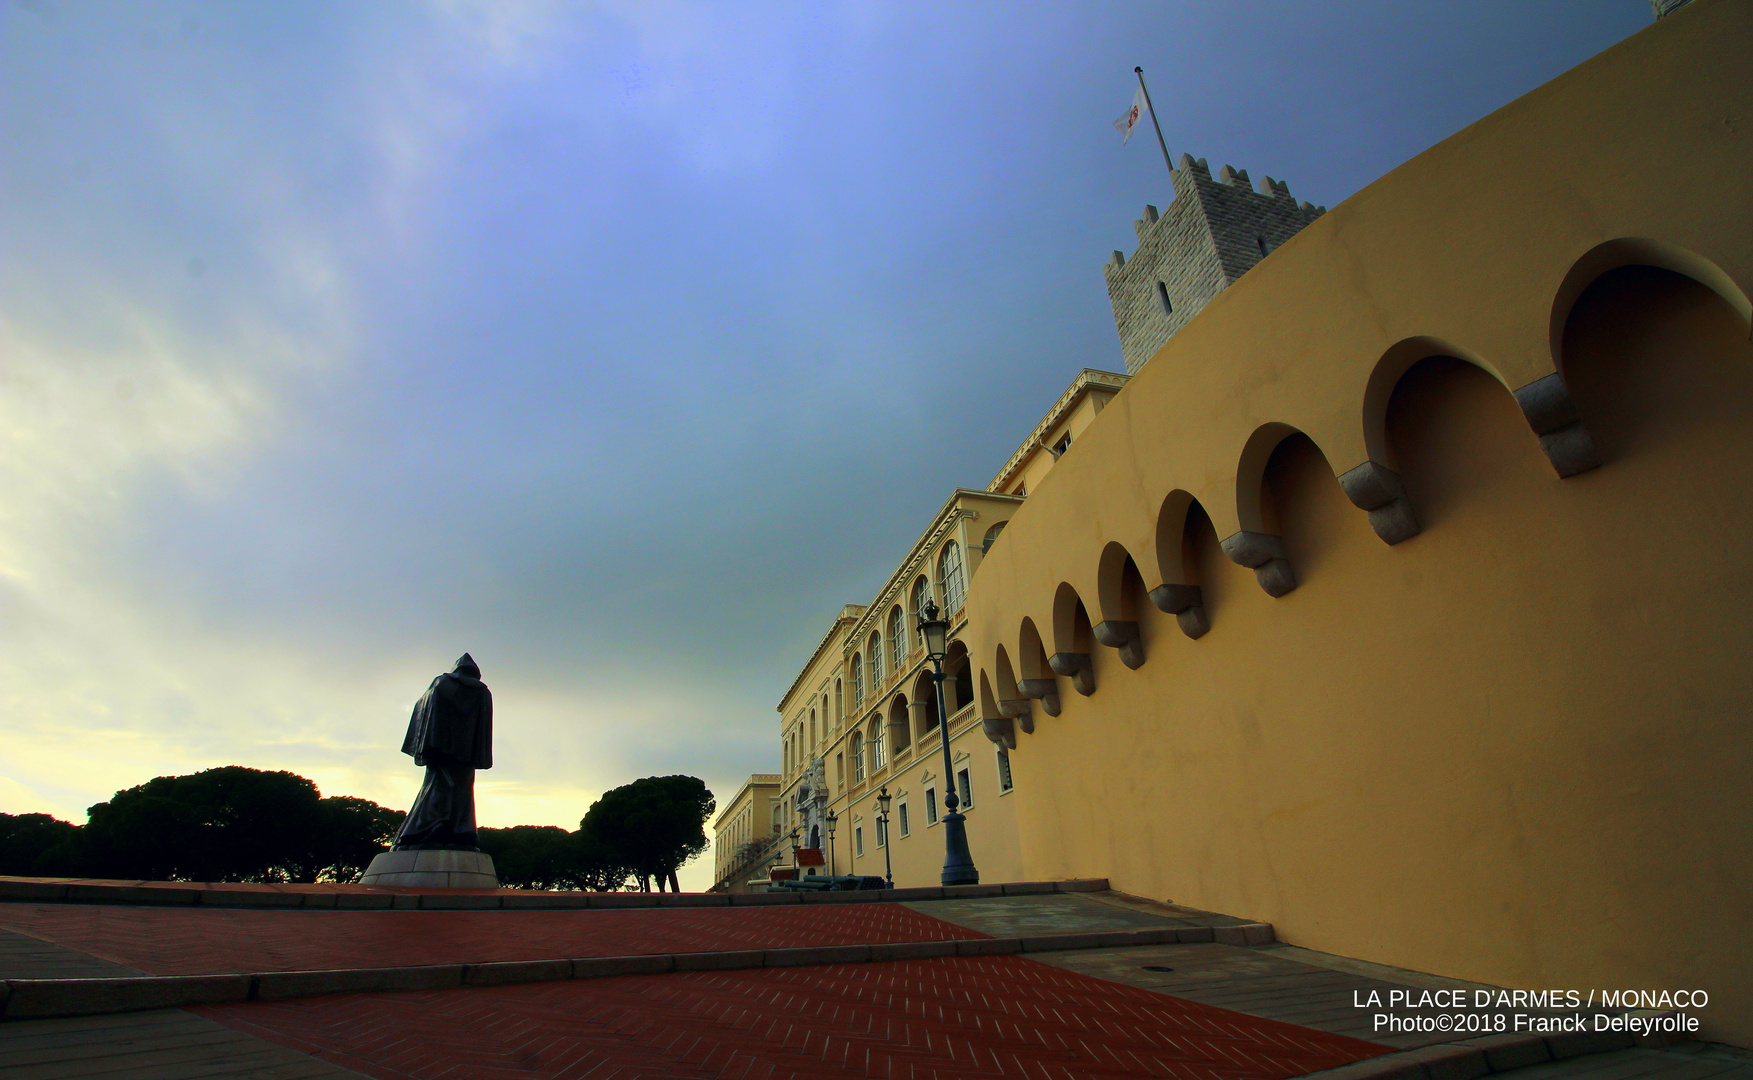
column 1153, row 121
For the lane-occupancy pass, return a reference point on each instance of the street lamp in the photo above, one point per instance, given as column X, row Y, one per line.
column 958, row 863
column 831, row 818
column 883, row 799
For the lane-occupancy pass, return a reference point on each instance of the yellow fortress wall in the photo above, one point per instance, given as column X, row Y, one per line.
column 1514, row 743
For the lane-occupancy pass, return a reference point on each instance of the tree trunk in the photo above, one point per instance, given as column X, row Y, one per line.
column 675, row 886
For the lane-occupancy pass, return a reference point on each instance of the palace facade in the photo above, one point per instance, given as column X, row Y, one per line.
column 1403, row 596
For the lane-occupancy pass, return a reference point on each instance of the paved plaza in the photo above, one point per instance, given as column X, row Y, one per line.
column 1041, row 983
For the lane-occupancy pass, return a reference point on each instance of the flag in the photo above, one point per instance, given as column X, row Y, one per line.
column 1126, row 123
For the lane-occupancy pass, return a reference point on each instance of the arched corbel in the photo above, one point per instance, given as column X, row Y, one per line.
column 1046, row 691
column 998, row 726
column 1187, row 604
column 1117, row 582
column 1178, row 595
column 1072, row 634
column 1122, row 634
column 1547, row 404
column 1020, row 710
column 1376, row 488
column 1000, row 730
column 1076, row 667
column 1264, row 554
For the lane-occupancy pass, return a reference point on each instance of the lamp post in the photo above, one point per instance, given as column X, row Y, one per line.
column 883, row 799
column 958, row 863
column 831, row 818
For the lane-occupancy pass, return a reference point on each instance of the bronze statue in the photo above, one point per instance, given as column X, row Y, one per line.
column 451, row 734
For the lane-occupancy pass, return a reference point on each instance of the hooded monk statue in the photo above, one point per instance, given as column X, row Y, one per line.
column 451, row 734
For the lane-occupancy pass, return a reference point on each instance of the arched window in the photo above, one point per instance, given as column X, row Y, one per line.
column 839, row 704
column 897, row 638
column 921, row 595
column 949, row 578
column 875, row 742
column 992, row 536
column 857, row 680
column 812, row 729
column 857, row 749
column 873, row 661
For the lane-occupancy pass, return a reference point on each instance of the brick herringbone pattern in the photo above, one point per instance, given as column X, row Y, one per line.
column 197, row 941
column 944, row 1019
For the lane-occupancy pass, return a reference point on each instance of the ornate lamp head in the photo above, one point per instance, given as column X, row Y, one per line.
column 935, row 631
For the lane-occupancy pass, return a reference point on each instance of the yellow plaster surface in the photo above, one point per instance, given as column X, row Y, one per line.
column 1516, row 747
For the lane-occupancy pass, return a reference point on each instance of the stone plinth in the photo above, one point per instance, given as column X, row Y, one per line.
column 432, row 869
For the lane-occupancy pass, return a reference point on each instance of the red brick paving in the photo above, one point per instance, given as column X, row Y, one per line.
column 948, row 1019
column 207, row 941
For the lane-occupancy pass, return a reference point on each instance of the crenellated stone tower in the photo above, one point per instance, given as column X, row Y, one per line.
column 1212, row 234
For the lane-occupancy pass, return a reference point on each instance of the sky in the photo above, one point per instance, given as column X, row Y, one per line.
column 617, row 343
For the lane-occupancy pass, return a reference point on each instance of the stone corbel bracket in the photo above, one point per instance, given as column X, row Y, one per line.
column 1377, row 489
column 1021, row 710
column 1264, row 554
column 1547, row 404
column 1122, row 635
column 1001, row 731
column 1076, row 667
column 1187, row 604
column 1046, row 691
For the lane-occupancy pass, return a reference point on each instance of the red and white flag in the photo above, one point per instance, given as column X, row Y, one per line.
column 1126, row 123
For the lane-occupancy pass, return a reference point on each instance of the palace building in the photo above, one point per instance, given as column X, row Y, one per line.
column 1402, row 594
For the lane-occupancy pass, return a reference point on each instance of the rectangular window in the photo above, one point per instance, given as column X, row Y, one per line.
column 858, row 840
column 1003, row 770
column 965, row 788
column 882, row 833
column 903, row 816
column 840, row 769
column 931, row 806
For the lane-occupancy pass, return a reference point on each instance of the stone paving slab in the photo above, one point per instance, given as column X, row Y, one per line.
column 1282, row 983
column 1308, row 990
column 25, row 957
column 169, row 1044
column 39, row 998
column 199, row 941
column 1053, row 913
column 950, row 1017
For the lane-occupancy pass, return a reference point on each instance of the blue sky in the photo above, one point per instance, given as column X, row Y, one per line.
column 617, row 343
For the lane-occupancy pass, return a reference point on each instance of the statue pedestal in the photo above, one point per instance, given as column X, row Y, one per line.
column 432, row 869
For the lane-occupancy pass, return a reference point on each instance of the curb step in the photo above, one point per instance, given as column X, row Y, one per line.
column 32, row 999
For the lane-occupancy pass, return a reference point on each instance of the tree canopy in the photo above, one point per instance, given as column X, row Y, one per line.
column 225, row 824
column 652, row 826
column 240, row 824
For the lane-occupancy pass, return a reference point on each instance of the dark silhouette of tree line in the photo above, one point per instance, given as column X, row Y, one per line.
column 246, row 825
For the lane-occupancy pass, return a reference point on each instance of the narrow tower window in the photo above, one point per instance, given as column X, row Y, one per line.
column 1162, row 299
column 1264, row 250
